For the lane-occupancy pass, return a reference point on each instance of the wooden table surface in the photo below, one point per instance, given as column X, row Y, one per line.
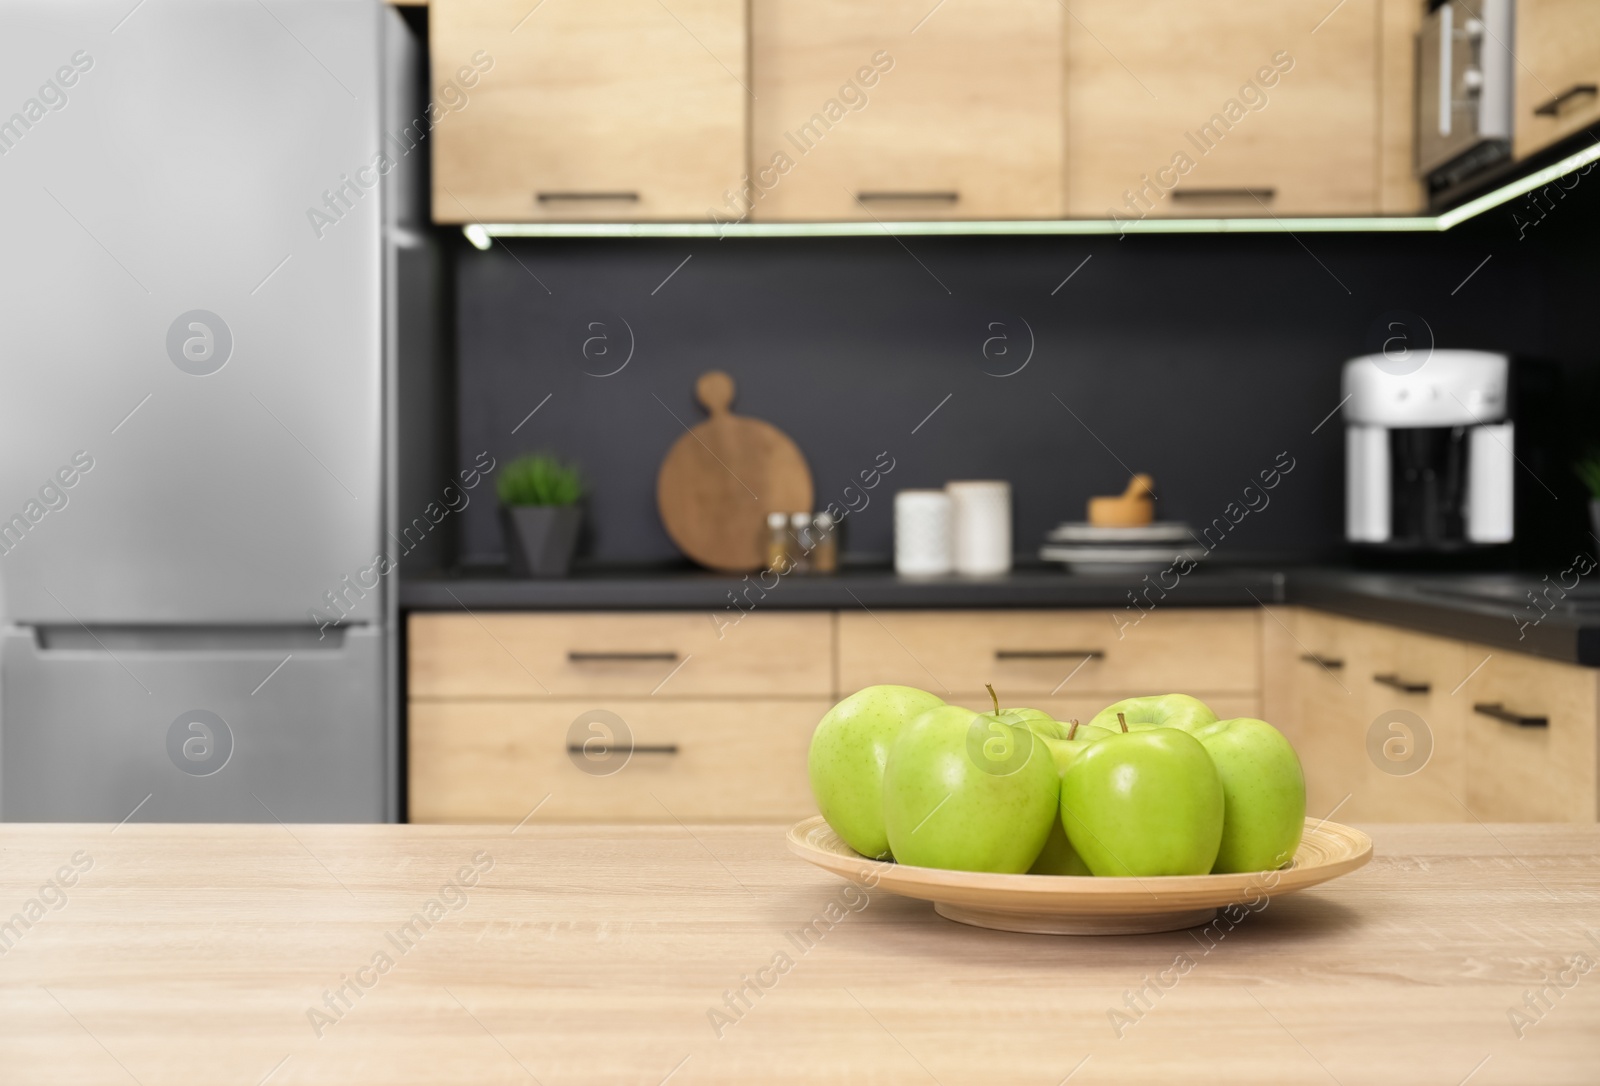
column 205, row 954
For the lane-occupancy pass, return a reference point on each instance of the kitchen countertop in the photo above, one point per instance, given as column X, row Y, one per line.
column 1490, row 609
column 593, row 954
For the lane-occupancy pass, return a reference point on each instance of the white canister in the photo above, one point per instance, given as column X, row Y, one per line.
column 980, row 526
column 922, row 533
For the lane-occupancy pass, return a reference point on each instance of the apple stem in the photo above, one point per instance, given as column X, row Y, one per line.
column 1072, row 731
column 1123, row 721
column 996, row 697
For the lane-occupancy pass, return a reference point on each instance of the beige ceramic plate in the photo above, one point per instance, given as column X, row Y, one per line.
column 1061, row 905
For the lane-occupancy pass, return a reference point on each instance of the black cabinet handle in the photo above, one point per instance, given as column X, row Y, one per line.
column 566, row 197
column 1402, row 685
column 1552, row 108
column 1049, row 654
column 903, row 197
column 1321, row 661
column 641, row 748
column 1499, row 712
column 1264, row 195
column 621, row 657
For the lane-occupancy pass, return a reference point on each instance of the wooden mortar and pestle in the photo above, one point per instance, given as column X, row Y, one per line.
column 1133, row 508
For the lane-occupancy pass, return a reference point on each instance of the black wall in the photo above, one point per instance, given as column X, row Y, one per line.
column 1196, row 358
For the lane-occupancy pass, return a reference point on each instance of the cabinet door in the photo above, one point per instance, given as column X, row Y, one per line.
column 1326, row 709
column 636, row 760
column 666, row 654
column 1214, row 108
column 1522, row 770
column 1558, row 71
column 600, row 110
column 891, row 110
column 1030, row 655
column 1411, row 726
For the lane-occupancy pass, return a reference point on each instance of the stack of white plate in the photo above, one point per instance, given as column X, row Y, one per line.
column 1086, row 548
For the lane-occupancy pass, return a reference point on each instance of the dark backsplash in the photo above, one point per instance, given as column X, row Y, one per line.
column 1197, row 359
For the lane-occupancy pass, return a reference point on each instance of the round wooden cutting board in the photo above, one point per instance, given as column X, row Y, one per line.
column 721, row 479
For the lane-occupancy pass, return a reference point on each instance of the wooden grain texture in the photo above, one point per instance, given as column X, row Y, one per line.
column 587, row 103
column 1557, row 49
column 960, row 119
column 661, row 654
column 1399, row 188
column 721, row 479
column 191, row 954
column 494, row 761
column 1143, row 76
column 954, row 653
column 1532, row 774
column 1043, row 904
column 1478, row 768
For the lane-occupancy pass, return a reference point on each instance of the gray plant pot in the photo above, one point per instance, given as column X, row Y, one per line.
column 540, row 538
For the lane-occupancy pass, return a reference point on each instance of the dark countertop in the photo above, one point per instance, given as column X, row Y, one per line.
column 1490, row 609
column 874, row 588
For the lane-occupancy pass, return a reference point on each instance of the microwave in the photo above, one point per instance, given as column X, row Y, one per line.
column 1465, row 70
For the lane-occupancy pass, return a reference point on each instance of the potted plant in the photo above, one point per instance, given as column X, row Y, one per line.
column 539, row 511
column 1588, row 470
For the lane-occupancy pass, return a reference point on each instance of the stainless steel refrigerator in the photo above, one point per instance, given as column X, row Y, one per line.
column 205, row 204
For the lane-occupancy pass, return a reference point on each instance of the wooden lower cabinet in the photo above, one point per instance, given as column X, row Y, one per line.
column 1396, row 726
column 1029, row 655
column 1519, row 770
column 692, row 761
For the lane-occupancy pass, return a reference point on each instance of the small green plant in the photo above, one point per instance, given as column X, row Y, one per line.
column 539, row 479
column 1588, row 470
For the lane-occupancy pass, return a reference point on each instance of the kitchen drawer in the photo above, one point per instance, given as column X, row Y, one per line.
column 1531, row 774
column 1030, row 654
column 665, row 654
column 493, row 761
column 1558, row 71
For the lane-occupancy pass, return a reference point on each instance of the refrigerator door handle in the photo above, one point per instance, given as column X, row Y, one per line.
column 186, row 639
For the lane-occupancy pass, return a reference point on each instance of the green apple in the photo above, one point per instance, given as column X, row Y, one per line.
column 1263, row 793
column 968, row 791
column 1058, row 856
column 1038, row 721
column 1157, row 711
column 1073, row 739
column 848, row 752
column 1144, row 803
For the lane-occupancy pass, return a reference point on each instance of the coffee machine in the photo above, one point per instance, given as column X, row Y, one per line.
column 1428, row 453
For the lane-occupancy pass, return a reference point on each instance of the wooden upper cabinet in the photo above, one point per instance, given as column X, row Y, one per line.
column 1212, row 107
column 1558, row 71
column 599, row 110
column 901, row 109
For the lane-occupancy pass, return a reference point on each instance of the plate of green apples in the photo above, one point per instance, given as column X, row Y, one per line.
column 1154, row 815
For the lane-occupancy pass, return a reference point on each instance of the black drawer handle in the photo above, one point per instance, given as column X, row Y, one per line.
column 1264, row 195
column 621, row 657
column 1049, row 654
column 1553, row 107
column 903, row 197
column 1402, row 685
column 1321, row 661
column 564, row 197
column 641, row 748
column 1499, row 712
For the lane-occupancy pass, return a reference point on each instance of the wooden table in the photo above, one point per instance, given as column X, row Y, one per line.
column 202, row 954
